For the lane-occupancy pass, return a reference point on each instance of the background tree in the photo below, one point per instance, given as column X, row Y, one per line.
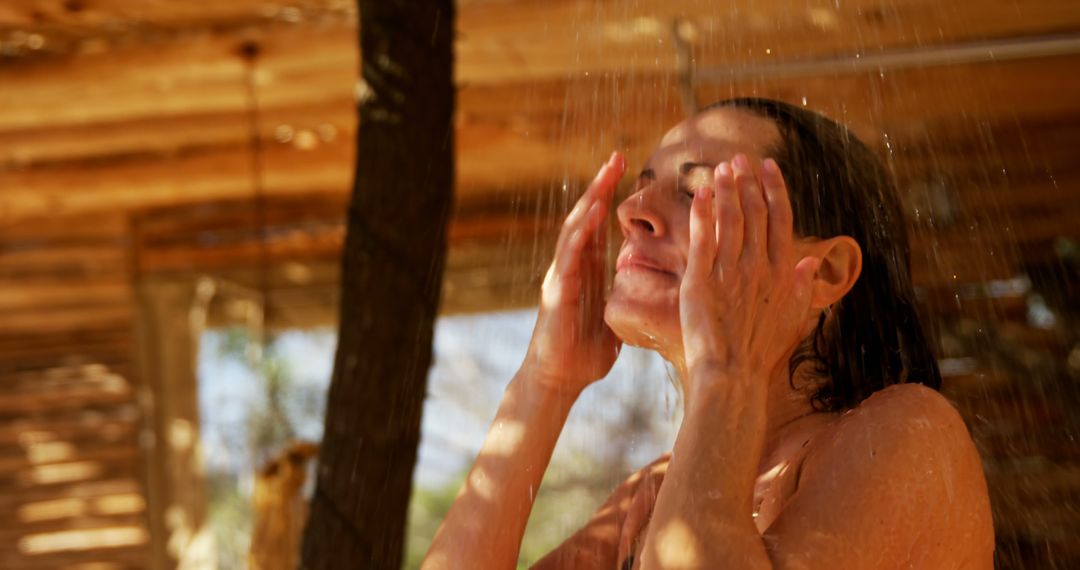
column 391, row 279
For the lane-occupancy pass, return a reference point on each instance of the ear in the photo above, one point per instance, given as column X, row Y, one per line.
column 841, row 264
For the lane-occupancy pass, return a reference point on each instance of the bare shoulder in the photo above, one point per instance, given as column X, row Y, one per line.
column 900, row 477
column 909, row 416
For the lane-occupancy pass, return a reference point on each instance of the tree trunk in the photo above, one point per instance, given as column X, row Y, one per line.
column 391, row 279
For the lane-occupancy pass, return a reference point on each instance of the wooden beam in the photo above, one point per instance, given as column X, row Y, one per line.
column 126, row 139
column 523, row 41
column 207, row 176
column 189, row 76
column 526, row 41
column 105, row 14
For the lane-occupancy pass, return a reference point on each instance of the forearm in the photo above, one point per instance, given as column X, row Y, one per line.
column 485, row 525
column 703, row 517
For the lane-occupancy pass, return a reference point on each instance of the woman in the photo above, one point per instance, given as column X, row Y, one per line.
column 765, row 258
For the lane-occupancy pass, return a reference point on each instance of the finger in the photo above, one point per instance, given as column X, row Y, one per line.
column 729, row 217
column 781, row 231
column 601, row 189
column 607, row 179
column 753, row 207
column 568, row 257
column 702, row 254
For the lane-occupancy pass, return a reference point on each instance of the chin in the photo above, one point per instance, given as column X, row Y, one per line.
column 650, row 322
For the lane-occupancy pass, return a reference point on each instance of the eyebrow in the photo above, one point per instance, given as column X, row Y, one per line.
column 686, row 167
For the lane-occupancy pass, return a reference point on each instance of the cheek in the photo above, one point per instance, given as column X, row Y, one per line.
column 680, row 236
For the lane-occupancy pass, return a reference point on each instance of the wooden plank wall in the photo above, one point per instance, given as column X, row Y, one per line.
column 126, row 139
column 69, row 454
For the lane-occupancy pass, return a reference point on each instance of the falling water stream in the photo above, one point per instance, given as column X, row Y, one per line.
column 972, row 131
column 968, row 136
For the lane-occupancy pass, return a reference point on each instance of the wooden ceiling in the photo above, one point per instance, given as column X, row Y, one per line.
column 111, row 109
column 107, row 107
column 127, row 132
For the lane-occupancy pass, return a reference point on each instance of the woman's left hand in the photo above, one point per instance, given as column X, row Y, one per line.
column 744, row 297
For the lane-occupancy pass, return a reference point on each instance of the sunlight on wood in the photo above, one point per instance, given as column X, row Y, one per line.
column 120, row 504
column 64, row 472
column 82, row 539
column 50, row 452
column 182, row 434
column 50, row 510
column 128, row 503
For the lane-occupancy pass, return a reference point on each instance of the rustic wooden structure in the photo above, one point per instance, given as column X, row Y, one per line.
column 130, row 213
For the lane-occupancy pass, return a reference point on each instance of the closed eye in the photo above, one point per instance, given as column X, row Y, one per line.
column 697, row 177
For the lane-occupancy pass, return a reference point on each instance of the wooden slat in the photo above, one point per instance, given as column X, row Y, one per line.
column 116, row 141
column 28, row 295
column 86, row 452
column 13, row 533
column 113, row 558
column 188, row 76
column 11, row 498
column 20, row 14
column 101, row 229
column 113, row 424
column 530, row 40
column 58, row 475
column 51, row 320
column 516, row 41
column 66, row 261
column 67, row 348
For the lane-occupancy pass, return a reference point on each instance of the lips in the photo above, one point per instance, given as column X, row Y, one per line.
column 630, row 259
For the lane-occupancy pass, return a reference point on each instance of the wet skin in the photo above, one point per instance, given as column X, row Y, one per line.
column 711, row 276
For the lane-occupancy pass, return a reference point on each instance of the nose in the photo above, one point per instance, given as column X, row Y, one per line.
column 638, row 214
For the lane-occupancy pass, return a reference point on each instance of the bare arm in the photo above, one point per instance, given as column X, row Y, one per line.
column 571, row 347
column 487, row 521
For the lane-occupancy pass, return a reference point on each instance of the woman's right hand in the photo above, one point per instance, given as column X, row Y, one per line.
column 572, row 346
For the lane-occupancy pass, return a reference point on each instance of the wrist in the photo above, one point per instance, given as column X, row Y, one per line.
column 710, row 384
column 551, row 372
column 538, row 385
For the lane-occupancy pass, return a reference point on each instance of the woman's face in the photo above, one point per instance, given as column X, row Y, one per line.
column 643, row 307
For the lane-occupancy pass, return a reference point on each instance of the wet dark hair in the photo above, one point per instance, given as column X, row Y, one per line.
column 838, row 186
